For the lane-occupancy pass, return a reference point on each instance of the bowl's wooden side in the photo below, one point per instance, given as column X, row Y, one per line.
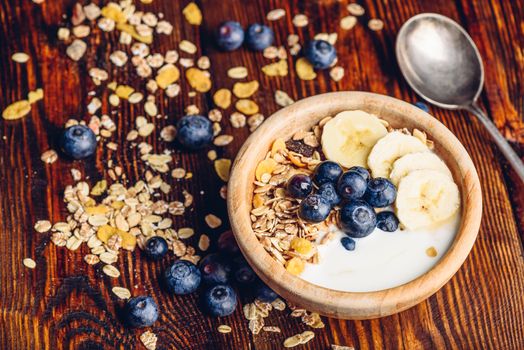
column 303, row 115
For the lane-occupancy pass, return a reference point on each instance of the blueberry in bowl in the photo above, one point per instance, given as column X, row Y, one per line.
column 182, row 277
column 78, row 141
column 194, row 132
column 299, row 186
column 380, row 192
column 215, row 269
column 259, row 37
column 219, row 300
column 141, row 311
column 348, row 243
column 387, row 221
column 314, row 208
column 156, row 248
column 327, row 172
column 351, row 185
column 357, row 218
column 320, row 53
column 329, row 192
column 362, row 171
column 229, row 36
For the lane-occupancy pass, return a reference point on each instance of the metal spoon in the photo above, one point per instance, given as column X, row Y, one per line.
column 442, row 64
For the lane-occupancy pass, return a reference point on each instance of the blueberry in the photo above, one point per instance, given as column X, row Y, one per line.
column 219, row 300
column 348, row 243
column 230, row 36
column 299, row 186
column 156, row 248
column 264, row 293
column 329, row 192
column 78, row 141
column 387, row 221
column 194, row 132
column 380, row 192
column 362, row 171
column 215, row 269
column 357, row 219
column 320, row 53
column 327, row 171
column 141, row 311
column 227, row 243
column 422, row 106
column 244, row 274
column 351, row 185
column 182, row 277
column 259, row 36
column 314, row 208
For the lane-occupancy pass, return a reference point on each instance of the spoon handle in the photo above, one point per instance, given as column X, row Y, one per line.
column 512, row 156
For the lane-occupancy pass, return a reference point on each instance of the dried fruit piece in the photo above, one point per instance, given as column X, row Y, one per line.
column 304, row 69
column 295, row 266
column 245, row 90
column 248, row 107
column 192, row 14
column 279, row 68
column 167, row 75
column 258, row 200
column 300, row 147
column 198, row 79
column 266, row 166
column 222, row 168
column 301, row 245
column 16, row 110
column 222, row 98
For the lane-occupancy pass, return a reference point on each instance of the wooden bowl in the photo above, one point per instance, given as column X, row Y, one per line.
column 306, row 113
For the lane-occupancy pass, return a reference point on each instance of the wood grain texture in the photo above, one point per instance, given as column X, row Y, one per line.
column 65, row 304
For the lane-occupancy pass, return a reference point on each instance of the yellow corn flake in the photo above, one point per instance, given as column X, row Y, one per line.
column 295, row 266
column 222, row 168
column 129, row 29
column 16, row 110
column 222, row 98
column 99, row 188
column 258, row 200
column 248, row 107
column 124, row 91
column 128, row 240
column 304, row 69
column 112, row 85
column 99, row 209
column 301, row 245
column 245, row 90
column 295, row 160
column 192, row 14
column 198, row 79
column 117, row 205
column 167, row 75
column 36, row 95
column 279, row 68
column 114, row 12
column 278, row 145
column 267, row 166
column 105, row 232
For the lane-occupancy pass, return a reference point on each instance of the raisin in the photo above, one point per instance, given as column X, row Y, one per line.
column 300, row 147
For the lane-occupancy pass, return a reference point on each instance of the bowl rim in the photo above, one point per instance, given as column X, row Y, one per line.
column 341, row 304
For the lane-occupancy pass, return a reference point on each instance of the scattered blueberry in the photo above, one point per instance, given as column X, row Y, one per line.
column 264, row 293
column 182, row 277
column 314, row 208
column 156, row 248
column 244, row 274
column 422, row 106
column 380, row 192
column 78, row 141
column 327, row 171
column 299, row 186
column 194, row 131
column 348, row 243
column 362, row 171
column 259, row 36
column 141, row 311
column 230, row 36
column 387, row 221
column 329, row 192
column 219, row 300
column 227, row 243
column 215, row 269
column 351, row 185
column 320, row 53
column 357, row 219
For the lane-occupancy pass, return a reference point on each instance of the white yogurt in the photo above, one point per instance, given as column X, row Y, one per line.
column 381, row 260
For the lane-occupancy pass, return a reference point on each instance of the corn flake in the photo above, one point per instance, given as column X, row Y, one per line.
column 198, row 79
column 167, row 75
column 245, row 90
column 124, row 91
column 192, row 14
column 222, row 168
column 247, row 107
column 17, row 110
column 222, row 98
column 304, row 69
column 279, row 68
column 36, row 95
column 267, row 166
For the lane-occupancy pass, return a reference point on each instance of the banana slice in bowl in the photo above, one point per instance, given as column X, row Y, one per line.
column 349, row 137
column 417, row 161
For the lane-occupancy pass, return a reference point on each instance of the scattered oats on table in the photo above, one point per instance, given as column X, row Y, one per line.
column 348, row 22
column 213, row 221
column 50, row 156
column 300, row 20
column 356, row 9
column 239, row 72
column 375, row 24
column 20, row 57
column 224, row 329
column 149, row 339
column 275, row 14
column 282, row 98
column 29, row 263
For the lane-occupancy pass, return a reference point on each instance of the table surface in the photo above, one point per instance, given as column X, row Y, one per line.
column 65, row 303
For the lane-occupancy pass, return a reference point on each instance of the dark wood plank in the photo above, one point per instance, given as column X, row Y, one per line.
column 65, row 304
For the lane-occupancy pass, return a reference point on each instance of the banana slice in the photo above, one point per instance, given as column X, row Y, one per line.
column 348, row 138
column 390, row 148
column 417, row 161
column 426, row 198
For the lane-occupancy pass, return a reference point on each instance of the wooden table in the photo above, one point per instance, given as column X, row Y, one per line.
column 66, row 304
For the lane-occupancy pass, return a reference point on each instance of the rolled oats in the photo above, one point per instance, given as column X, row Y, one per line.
column 121, row 292
column 29, row 263
column 149, row 339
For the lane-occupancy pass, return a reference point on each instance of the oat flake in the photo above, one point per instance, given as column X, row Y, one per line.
column 29, row 263
column 275, row 14
column 121, row 292
column 20, row 57
column 224, row 329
